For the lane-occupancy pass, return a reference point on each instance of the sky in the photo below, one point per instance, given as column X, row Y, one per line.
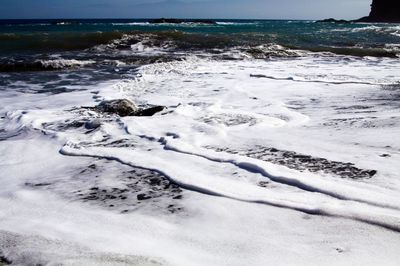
column 235, row 9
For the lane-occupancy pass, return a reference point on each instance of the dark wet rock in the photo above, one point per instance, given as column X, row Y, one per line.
column 269, row 52
column 385, row 155
column 37, row 184
column 369, row 173
column 339, row 250
column 4, row 261
column 155, row 181
column 124, row 107
column 387, row 11
column 121, row 107
column 302, row 162
column 150, row 111
column 263, row 184
column 181, row 21
column 143, row 197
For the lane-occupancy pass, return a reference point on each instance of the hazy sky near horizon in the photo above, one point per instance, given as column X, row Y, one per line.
column 258, row 9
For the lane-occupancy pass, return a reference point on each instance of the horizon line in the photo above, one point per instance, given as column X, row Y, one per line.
column 111, row 18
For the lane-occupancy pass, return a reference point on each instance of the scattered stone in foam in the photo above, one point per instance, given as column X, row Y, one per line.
column 302, row 162
column 141, row 187
column 121, row 107
column 130, row 188
column 124, row 107
column 231, row 119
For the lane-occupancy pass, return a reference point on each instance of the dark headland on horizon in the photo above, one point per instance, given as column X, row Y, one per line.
column 382, row 11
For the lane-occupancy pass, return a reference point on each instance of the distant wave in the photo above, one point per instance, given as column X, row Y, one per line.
column 381, row 29
column 236, row 23
column 357, row 51
column 131, row 24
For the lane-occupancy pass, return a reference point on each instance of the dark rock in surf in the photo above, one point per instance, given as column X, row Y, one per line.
column 143, row 197
column 124, row 107
column 150, row 111
column 121, row 107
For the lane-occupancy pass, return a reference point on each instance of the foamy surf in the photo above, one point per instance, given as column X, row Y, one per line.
column 288, row 159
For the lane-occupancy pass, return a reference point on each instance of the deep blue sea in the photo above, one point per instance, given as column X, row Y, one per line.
column 41, row 36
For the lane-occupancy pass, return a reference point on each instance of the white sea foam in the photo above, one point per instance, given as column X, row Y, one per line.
column 132, row 24
column 331, row 107
column 236, row 23
column 62, row 63
column 394, row 30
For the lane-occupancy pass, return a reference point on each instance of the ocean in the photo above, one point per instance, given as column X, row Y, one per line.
column 278, row 142
column 30, row 37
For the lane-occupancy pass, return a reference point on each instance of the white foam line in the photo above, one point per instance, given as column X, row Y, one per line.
column 313, row 81
column 190, row 176
column 314, row 184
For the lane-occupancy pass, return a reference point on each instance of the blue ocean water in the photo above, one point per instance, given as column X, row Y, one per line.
column 32, row 36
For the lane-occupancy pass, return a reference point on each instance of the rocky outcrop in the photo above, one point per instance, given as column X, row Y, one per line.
column 123, row 107
column 150, row 111
column 383, row 11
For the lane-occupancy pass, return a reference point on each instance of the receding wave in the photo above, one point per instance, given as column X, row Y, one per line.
column 355, row 51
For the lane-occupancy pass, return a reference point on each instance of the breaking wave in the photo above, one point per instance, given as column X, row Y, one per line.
column 43, row 65
column 173, row 40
